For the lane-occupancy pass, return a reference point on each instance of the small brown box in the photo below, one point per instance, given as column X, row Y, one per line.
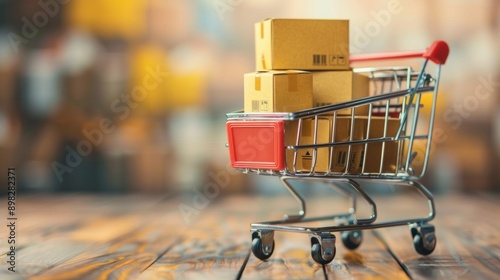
column 324, row 135
column 277, row 91
column 308, row 44
column 330, row 87
column 374, row 150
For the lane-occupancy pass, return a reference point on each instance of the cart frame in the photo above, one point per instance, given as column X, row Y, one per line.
column 405, row 91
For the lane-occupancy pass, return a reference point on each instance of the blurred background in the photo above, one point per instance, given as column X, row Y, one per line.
column 131, row 95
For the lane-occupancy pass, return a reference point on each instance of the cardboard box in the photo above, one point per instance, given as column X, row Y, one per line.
column 338, row 163
column 307, row 44
column 277, row 91
column 330, row 87
column 374, row 150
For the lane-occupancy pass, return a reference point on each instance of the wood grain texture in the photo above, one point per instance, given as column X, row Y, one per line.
column 59, row 229
column 371, row 260
column 146, row 237
column 465, row 246
column 44, row 226
column 291, row 258
column 215, row 246
column 123, row 246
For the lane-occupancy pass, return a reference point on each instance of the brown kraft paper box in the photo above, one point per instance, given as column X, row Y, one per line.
column 374, row 150
column 339, row 161
column 277, row 91
column 307, row 44
column 330, row 87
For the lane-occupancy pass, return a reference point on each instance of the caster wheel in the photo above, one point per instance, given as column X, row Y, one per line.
column 424, row 249
column 323, row 247
column 352, row 239
column 317, row 256
column 424, row 239
column 260, row 252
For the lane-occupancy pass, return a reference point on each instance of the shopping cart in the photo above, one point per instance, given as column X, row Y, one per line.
column 295, row 146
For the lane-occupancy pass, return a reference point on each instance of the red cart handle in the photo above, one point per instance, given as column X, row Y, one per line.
column 437, row 52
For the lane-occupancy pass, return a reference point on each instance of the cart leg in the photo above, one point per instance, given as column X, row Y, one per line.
column 368, row 199
column 427, row 194
column 352, row 239
column 424, row 234
column 350, row 217
column 299, row 198
column 352, row 196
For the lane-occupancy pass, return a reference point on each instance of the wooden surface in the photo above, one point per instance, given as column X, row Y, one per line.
column 146, row 237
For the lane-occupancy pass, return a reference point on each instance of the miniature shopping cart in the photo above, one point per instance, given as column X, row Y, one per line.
column 388, row 144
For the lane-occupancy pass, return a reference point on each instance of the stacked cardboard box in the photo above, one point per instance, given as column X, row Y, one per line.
column 374, row 152
column 327, row 159
column 306, row 44
column 290, row 45
column 342, row 158
column 286, row 49
column 278, row 91
column 330, row 87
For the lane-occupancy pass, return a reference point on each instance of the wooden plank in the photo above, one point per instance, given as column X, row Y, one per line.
column 40, row 217
column 61, row 243
column 370, row 260
column 126, row 256
column 215, row 246
column 457, row 254
column 42, row 225
column 133, row 236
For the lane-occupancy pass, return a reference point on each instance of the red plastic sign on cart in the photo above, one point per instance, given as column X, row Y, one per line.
column 259, row 145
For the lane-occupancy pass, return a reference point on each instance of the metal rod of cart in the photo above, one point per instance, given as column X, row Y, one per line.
column 390, row 143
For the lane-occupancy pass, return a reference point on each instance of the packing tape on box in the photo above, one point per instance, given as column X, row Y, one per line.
column 257, row 82
column 292, row 81
column 263, row 59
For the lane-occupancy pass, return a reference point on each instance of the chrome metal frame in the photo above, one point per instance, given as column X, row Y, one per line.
column 353, row 223
column 403, row 86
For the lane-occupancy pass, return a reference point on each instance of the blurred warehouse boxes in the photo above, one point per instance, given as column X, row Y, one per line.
column 115, row 18
column 302, row 44
column 158, row 85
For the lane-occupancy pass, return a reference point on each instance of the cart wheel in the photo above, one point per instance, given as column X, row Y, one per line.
column 317, row 257
column 323, row 247
column 352, row 239
column 421, row 248
column 260, row 252
column 424, row 239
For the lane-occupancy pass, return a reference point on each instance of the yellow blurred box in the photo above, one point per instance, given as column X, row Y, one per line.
column 306, row 44
column 109, row 18
column 277, row 91
column 164, row 87
column 330, row 87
